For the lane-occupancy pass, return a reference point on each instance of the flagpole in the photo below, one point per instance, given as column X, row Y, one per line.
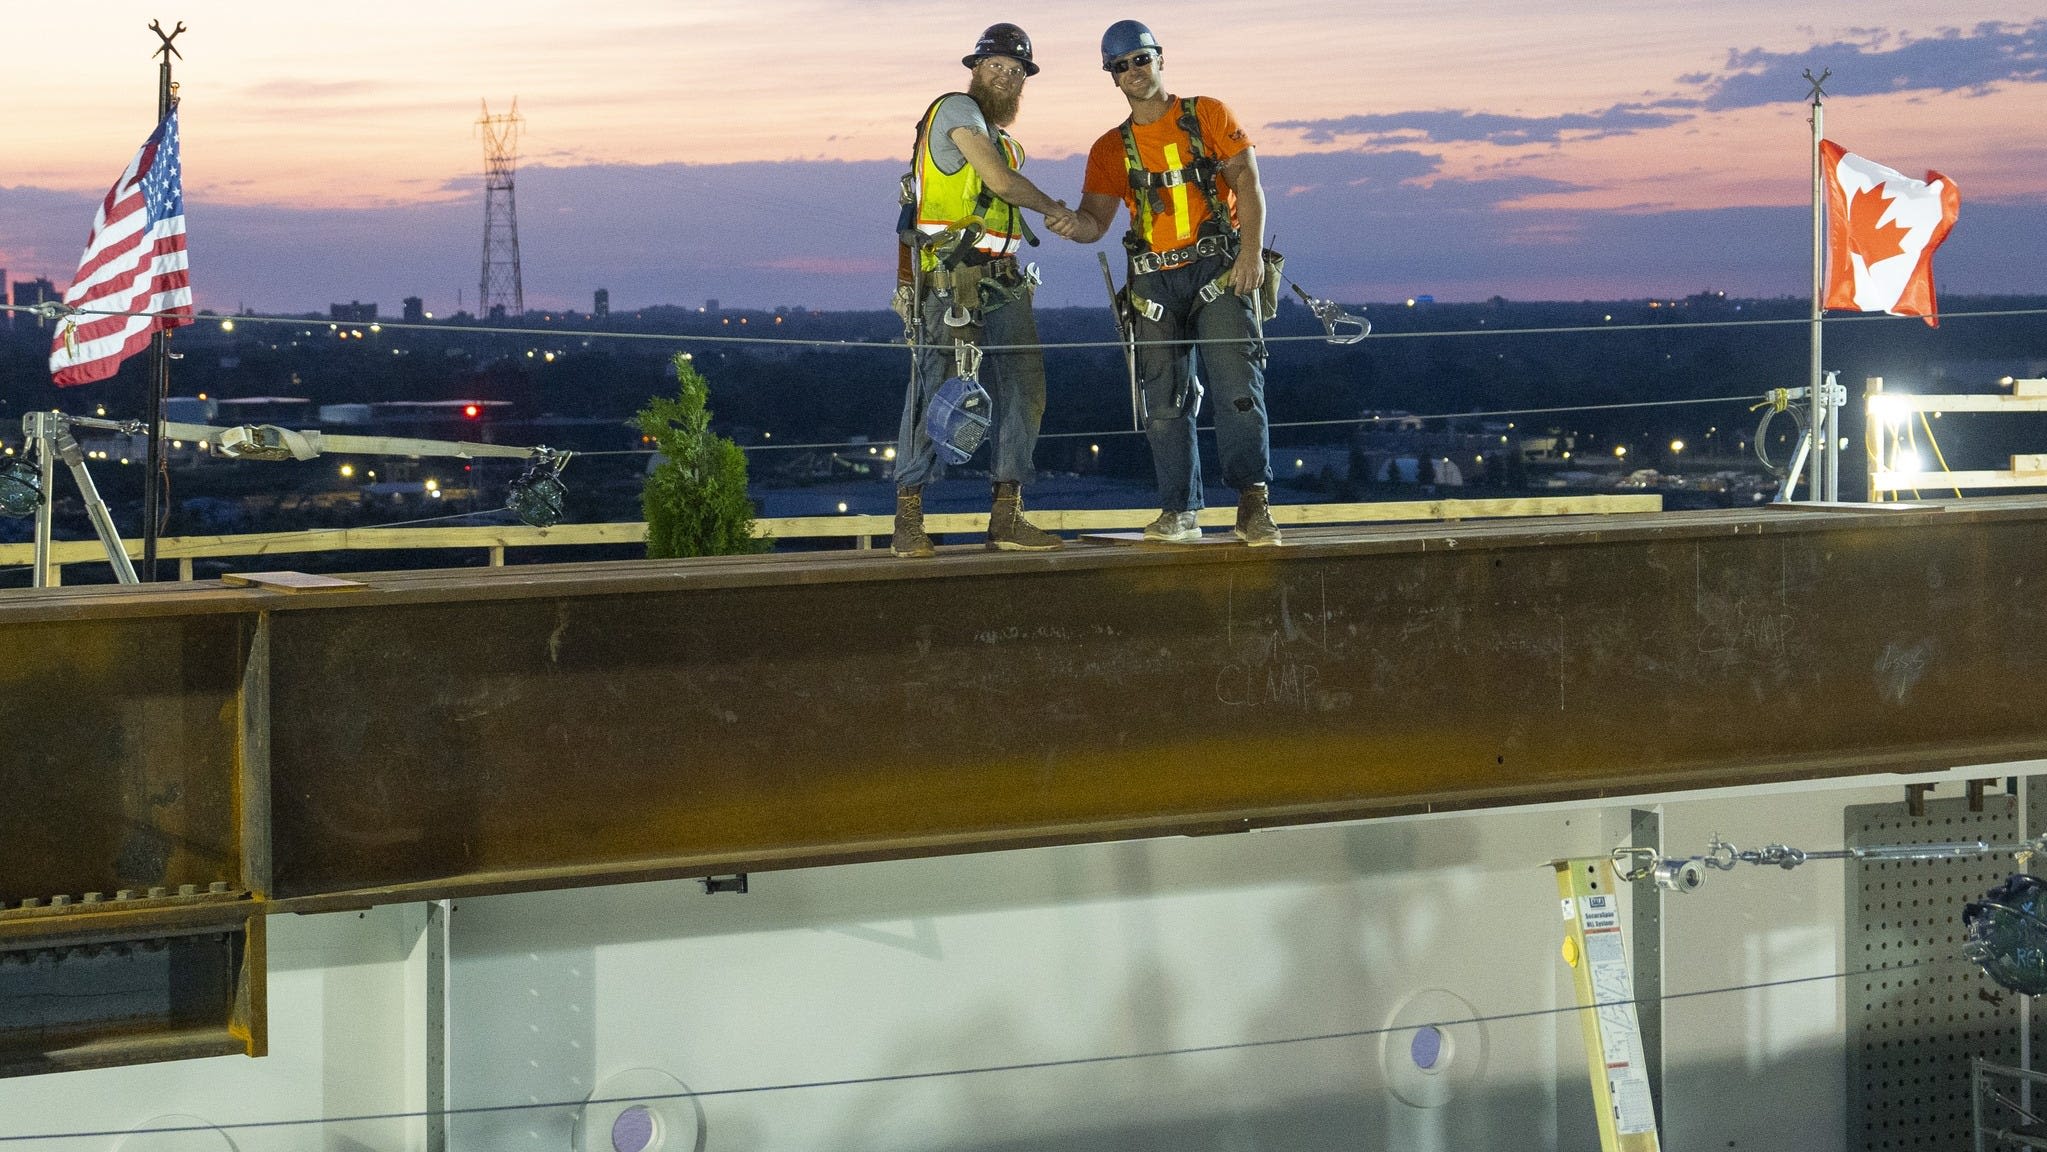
column 1820, row 433
column 155, row 473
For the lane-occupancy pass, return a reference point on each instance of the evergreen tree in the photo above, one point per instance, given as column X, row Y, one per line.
column 695, row 500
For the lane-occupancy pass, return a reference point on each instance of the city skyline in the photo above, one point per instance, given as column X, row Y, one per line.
column 676, row 154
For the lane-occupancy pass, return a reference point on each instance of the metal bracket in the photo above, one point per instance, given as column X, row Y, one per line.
column 966, row 359
column 719, row 885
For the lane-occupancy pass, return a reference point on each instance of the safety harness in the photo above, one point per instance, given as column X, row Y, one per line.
column 957, row 243
column 1150, row 189
column 1220, row 238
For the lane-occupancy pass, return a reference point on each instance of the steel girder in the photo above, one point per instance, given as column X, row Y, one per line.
column 201, row 756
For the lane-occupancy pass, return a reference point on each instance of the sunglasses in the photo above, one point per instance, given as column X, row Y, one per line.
column 1141, row 60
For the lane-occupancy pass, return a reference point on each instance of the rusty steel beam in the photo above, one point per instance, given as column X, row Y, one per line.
column 436, row 734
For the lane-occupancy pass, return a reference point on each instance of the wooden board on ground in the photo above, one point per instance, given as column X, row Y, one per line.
column 1137, row 537
column 288, row 581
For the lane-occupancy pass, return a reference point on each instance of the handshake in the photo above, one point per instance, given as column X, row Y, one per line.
column 1065, row 222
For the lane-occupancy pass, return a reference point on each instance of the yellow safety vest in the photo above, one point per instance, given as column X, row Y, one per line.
column 946, row 201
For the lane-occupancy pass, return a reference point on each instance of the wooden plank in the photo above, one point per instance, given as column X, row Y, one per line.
column 1882, row 402
column 288, row 581
column 502, row 536
column 1950, row 481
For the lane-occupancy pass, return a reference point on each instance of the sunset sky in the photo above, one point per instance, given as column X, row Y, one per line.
column 679, row 151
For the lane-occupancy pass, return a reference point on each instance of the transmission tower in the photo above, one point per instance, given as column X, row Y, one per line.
column 501, row 291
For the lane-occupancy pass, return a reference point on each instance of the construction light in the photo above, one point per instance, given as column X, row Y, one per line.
column 1890, row 409
column 21, row 488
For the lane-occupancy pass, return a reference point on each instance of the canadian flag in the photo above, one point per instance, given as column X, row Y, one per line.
column 1882, row 228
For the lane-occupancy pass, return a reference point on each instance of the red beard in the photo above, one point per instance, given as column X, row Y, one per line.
column 998, row 108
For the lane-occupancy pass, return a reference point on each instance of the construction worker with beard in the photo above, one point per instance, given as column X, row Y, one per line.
column 1188, row 175
column 967, row 286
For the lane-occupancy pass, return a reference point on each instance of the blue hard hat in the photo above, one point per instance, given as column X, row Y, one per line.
column 1126, row 36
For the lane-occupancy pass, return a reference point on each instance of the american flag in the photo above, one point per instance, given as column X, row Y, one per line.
column 134, row 262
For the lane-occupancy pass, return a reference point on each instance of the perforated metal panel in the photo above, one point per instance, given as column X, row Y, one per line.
column 1918, row 1012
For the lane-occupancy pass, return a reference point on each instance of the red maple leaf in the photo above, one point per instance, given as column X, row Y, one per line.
column 1872, row 241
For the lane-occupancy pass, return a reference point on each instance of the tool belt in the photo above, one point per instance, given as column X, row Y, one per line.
column 1143, row 262
column 972, row 289
column 1267, row 298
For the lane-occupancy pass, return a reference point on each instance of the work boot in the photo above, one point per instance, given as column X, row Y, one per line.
column 909, row 540
column 1254, row 517
column 1174, row 528
column 1008, row 531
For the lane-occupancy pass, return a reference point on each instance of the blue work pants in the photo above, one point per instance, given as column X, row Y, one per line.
column 1014, row 378
column 1222, row 337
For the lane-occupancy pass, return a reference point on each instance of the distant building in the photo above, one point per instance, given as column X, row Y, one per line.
column 353, row 312
column 415, row 310
column 600, row 306
column 36, row 291
column 711, row 305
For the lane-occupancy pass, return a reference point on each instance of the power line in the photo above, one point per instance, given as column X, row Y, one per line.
column 1278, row 424
column 897, row 345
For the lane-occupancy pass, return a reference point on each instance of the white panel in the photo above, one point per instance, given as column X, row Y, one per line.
column 1776, row 1045
column 924, row 982
column 1055, row 955
column 338, row 1024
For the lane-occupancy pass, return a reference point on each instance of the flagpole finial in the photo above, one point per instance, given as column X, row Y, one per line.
column 1817, row 95
column 167, row 51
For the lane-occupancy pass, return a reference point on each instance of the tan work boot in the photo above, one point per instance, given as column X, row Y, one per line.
column 909, row 540
column 1008, row 531
column 1254, row 517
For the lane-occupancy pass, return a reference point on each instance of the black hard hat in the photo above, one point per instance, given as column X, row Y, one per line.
column 1003, row 40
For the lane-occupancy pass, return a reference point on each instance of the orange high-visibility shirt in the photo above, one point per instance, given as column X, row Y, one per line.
column 1162, row 146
